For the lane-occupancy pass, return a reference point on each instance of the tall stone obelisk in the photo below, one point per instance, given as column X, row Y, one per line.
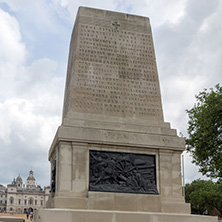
column 114, row 158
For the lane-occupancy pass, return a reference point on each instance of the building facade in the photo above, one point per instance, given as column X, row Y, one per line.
column 22, row 198
column 3, row 198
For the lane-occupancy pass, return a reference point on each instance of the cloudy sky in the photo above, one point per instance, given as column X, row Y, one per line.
column 34, row 44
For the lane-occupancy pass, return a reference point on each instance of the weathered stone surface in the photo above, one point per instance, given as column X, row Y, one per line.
column 113, row 104
column 112, row 67
column 58, row 215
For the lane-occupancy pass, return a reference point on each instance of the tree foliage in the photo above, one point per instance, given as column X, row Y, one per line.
column 205, row 132
column 204, row 196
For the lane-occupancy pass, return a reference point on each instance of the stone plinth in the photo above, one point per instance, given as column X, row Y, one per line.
column 71, row 147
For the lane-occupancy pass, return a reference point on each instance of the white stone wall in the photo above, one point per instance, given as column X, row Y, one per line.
column 20, row 199
column 3, row 200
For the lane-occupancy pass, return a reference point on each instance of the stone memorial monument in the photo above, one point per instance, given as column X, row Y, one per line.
column 114, row 159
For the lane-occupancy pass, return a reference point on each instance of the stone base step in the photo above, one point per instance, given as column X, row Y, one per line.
column 67, row 215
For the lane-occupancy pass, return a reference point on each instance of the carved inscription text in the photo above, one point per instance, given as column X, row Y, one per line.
column 116, row 73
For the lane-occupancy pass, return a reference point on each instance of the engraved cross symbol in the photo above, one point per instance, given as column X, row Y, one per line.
column 116, row 25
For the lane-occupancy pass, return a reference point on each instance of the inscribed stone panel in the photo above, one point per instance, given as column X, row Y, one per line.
column 115, row 69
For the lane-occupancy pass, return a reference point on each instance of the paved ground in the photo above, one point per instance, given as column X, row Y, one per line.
column 24, row 216
column 16, row 215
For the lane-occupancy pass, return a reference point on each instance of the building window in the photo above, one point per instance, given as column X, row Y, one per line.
column 11, row 209
column 19, row 201
column 25, row 202
column 11, row 200
column 0, row 201
column 30, row 201
column 35, row 202
column 41, row 202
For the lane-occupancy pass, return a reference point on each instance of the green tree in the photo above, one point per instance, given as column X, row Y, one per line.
column 205, row 132
column 218, row 197
column 204, row 195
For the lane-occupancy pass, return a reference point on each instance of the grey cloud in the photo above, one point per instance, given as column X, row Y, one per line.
column 21, row 157
column 197, row 11
column 174, row 38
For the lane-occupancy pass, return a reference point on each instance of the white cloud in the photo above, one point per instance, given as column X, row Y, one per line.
column 160, row 11
column 13, row 52
column 22, row 122
column 191, row 170
column 34, row 86
column 188, row 46
column 14, row 5
column 67, row 9
column 187, row 54
column 178, row 95
column 170, row 11
column 30, row 103
column 39, row 73
column 12, row 48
